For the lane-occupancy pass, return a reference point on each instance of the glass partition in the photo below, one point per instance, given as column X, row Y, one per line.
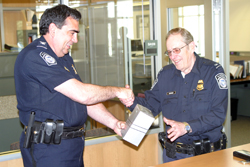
column 191, row 18
column 105, row 54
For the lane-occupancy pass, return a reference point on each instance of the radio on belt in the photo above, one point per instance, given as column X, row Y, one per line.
column 137, row 125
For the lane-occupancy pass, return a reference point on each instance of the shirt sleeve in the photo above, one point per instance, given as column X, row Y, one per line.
column 49, row 75
column 151, row 100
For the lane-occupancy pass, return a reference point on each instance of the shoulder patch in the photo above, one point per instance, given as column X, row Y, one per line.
column 221, row 79
column 48, row 59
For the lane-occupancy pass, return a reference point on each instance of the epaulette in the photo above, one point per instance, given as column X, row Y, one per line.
column 208, row 62
column 168, row 67
column 211, row 63
column 42, row 44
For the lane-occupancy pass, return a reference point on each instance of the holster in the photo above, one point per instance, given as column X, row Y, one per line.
column 167, row 144
column 170, row 149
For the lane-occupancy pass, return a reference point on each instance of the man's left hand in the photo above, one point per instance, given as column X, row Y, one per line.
column 119, row 126
column 177, row 129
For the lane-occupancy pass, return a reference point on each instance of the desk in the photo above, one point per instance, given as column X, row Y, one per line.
column 240, row 89
column 240, row 81
column 222, row 158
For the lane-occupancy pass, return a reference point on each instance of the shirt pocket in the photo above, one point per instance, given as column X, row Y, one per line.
column 200, row 103
column 170, row 106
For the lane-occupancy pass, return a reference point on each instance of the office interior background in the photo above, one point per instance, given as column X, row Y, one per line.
column 110, row 51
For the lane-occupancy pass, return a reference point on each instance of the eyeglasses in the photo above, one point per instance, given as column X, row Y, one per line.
column 175, row 51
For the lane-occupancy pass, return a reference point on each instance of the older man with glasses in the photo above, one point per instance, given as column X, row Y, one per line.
column 192, row 95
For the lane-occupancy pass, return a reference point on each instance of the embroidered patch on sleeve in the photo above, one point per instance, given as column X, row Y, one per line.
column 48, row 59
column 221, row 79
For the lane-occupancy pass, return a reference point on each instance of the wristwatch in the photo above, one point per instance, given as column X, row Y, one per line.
column 187, row 127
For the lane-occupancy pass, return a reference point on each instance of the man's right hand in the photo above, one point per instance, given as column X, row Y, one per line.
column 126, row 96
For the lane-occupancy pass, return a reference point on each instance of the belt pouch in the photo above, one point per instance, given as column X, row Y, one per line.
column 206, row 146
column 36, row 132
column 197, row 147
column 50, row 126
column 58, row 131
column 170, row 149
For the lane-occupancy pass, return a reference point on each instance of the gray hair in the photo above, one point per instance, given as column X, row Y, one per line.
column 186, row 35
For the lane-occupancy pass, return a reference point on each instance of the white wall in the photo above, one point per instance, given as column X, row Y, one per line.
column 239, row 25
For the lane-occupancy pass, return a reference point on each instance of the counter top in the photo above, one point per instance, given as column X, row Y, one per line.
column 222, row 158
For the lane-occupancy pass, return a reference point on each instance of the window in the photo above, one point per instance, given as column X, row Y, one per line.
column 192, row 18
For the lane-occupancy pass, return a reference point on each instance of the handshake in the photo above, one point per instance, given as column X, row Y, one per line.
column 126, row 96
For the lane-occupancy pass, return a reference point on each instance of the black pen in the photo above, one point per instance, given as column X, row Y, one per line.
column 193, row 92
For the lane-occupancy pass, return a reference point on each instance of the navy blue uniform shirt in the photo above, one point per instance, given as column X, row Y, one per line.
column 37, row 72
column 200, row 98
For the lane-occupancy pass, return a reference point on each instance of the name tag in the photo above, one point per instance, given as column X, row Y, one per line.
column 171, row 93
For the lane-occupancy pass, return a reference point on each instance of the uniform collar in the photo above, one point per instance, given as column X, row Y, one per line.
column 43, row 43
column 177, row 72
column 197, row 64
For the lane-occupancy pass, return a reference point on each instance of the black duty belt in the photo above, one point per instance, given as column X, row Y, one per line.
column 67, row 133
column 198, row 147
column 49, row 132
